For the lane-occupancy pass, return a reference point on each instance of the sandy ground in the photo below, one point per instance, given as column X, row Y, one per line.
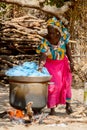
column 62, row 121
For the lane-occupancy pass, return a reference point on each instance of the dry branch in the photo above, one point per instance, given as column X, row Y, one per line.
column 7, row 62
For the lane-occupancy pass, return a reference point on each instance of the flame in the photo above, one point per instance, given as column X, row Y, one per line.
column 16, row 113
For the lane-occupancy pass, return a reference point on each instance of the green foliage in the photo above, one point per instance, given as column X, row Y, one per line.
column 2, row 8
column 3, row 5
column 57, row 3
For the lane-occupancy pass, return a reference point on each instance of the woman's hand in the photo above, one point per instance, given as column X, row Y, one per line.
column 42, row 61
column 40, row 69
column 41, row 65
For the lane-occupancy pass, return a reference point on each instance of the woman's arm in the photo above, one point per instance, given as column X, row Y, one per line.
column 68, row 53
column 42, row 61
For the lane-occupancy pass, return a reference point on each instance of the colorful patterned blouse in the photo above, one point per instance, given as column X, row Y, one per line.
column 53, row 52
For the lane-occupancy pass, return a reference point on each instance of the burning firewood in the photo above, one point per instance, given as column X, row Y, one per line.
column 29, row 110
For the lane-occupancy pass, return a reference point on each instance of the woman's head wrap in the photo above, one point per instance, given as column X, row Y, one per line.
column 61, row 28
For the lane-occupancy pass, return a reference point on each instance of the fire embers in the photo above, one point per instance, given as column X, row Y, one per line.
column 16, row 113
column 19, row 116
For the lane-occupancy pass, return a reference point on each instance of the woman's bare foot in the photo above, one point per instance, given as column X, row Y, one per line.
column 52, row 112
column 68, row 108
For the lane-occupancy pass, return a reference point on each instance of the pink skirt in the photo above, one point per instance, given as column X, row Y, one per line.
column 60, row 89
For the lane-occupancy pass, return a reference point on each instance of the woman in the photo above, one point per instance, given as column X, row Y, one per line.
column 56, row 57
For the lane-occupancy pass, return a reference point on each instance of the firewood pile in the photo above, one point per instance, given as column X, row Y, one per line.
column 21, row 35
column 80, row 55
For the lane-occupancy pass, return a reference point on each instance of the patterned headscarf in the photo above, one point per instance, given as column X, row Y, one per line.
column 61, row 28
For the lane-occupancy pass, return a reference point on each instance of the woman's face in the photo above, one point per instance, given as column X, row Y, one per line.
column 54, row 35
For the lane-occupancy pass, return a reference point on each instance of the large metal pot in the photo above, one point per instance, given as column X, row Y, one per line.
column 25, row 89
